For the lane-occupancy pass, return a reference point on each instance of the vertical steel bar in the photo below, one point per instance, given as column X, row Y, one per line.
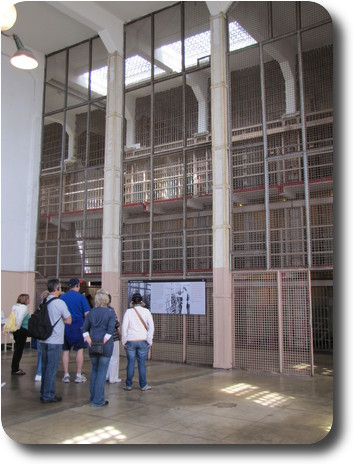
column 152, row 149
column 280, row 320
column 310, row 322
column 88, row 124
column 63, row 144
column 264, row 129
column 305, row 154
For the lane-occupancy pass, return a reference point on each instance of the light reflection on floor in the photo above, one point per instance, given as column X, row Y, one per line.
column 253, row 393
column 103, row 435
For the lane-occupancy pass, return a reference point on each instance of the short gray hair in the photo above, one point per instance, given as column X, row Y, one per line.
column 101, row 298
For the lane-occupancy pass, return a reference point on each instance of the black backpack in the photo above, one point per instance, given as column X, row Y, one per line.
column 39, row 325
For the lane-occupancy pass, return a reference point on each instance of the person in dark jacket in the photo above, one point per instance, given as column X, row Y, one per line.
column 99, row 324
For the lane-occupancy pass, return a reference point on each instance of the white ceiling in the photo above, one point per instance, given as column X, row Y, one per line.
column 50, row 26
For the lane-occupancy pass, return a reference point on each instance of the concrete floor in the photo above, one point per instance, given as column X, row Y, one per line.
column 187, row 405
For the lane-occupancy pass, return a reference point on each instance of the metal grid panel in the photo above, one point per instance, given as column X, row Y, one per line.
column 135, row 254
column 168, row 177
column 248, row 167
column 297, row 338
column 71, row 252
column 238, row 14
column 73, row 191
column 286, row 175
column 95, row 189
column 55, row 81
column 93, row 245
column 199, row 250
column 245, row 94
column 288, row 239
column 52, row 145
column 197, row 33
column 94, row 151
column 49, row 195
column 168, row 124
column 167, row 252
column 199, row 333
column 322, row 301
column 199, row 172
column 79, row 67
column 322, row 234
column 255, row 299
column 167, row 41
column 249, row 239
column 286, row 158
column 138, row 52
column 92, row 257
column 137, row 182
column 96, row 136
column 272, row 322
column 47, row 258
column 168, row 338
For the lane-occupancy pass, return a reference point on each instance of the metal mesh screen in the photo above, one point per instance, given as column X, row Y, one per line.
column 52, row 146
column 297, row 332
column 322, row 298
column 272, row 322
column 72, row 173
column 281, row 99
column 168, row 177
column 167, row 154
column 256, row 322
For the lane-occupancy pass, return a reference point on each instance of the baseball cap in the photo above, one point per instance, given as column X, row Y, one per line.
column 74, row 281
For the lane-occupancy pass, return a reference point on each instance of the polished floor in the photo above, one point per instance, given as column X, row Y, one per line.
column 187, row 405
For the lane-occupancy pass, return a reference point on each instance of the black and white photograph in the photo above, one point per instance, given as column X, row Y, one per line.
column 173, row 297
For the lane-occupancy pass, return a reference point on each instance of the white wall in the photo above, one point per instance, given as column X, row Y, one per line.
column 21, row 110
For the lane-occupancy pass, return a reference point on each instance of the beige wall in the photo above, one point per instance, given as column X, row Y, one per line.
column 12, row 285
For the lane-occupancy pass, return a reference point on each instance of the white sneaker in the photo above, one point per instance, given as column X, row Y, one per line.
column 66, row 378
column 115, row 381
column 146, row 388
column 38, row 378
column 80, row 378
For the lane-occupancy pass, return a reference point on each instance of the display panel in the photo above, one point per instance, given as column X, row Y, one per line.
column 171, row 297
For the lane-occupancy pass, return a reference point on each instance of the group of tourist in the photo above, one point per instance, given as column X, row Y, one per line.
column 77, row 326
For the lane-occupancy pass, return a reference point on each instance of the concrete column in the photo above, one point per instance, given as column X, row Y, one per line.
column 222, row 288
column 113, row 180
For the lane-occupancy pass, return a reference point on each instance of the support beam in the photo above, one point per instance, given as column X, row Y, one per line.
column 111, row 246
column 222, row 290
column 109, row 27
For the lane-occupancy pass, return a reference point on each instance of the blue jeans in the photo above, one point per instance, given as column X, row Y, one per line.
column 51, row 355
column 100, row 365
column 139, row 351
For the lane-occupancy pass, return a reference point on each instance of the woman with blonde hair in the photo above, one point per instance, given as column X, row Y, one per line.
column 97, row 330
column 20, row 310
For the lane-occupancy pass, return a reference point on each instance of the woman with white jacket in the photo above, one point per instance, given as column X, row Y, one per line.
column 20, row 310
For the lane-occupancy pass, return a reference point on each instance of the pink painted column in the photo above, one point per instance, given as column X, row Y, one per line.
column 222, row 282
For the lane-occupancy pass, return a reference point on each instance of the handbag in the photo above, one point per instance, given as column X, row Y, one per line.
column 11, row 326
column 97, row 347
column 118, row 332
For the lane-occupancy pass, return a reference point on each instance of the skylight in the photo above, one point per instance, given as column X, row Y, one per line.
column 138, row 69
column 238, row 37
column 98, row 80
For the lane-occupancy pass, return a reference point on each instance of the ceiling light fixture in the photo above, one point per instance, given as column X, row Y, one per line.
column 23, row 58
column 8, row 18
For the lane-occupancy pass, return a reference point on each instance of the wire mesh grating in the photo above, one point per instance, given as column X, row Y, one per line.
column 272, row 322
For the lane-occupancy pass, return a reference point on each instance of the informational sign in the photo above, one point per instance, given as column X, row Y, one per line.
column 172, row 297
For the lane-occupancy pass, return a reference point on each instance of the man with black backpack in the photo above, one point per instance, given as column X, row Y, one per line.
column 52, row 347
